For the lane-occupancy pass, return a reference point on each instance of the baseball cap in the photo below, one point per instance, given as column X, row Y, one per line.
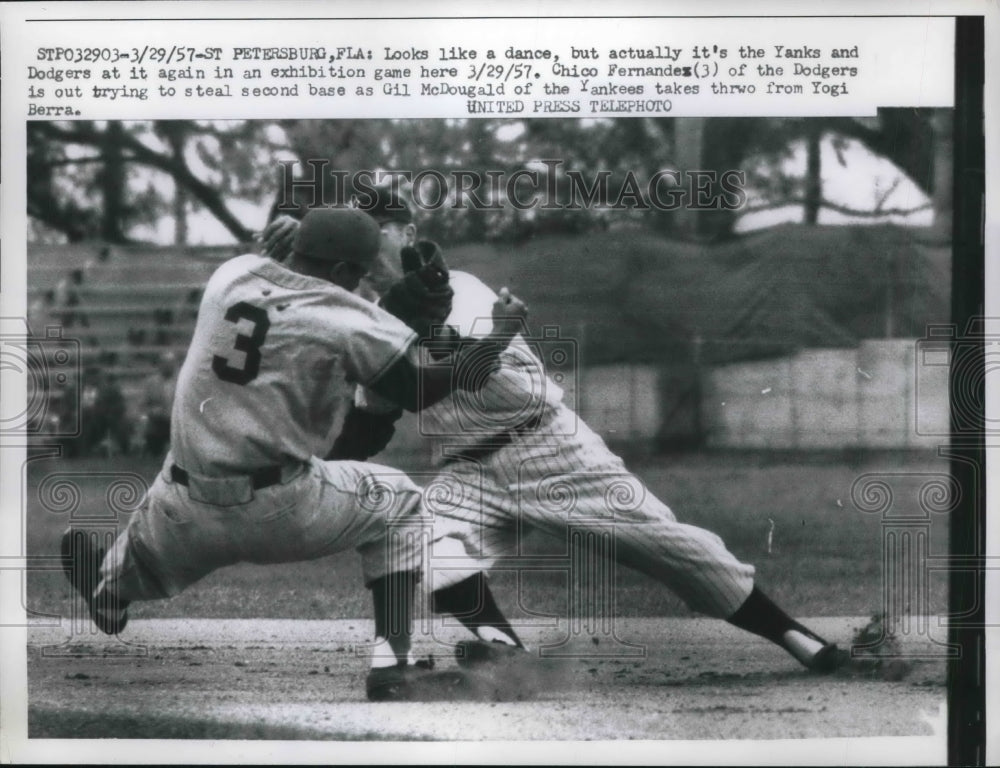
column 385, row 205
column 337, row 234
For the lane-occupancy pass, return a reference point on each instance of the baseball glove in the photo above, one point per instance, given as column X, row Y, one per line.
column 422, row 297
column 363, row 434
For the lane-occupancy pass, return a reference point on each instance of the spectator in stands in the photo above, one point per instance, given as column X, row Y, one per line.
column 61, row 409
column 104, row 425
column 136, row 337
column 38, row 313
column 67, row 297
column 187, row 311
column 157, row 403
column 164, row 320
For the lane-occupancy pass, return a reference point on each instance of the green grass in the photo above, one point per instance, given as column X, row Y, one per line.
column 825, row 559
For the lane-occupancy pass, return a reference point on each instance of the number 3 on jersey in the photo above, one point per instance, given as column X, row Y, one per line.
column 249, row 345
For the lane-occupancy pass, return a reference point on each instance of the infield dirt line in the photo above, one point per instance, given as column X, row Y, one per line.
column 926, row 634
column 304, row 680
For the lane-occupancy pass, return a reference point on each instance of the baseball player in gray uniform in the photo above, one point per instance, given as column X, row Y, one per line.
column 530, row 461
column 275, row 349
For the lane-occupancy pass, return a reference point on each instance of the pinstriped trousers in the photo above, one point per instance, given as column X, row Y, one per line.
column 563, row 477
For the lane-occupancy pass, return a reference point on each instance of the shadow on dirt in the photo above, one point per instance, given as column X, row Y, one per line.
column 44, row 723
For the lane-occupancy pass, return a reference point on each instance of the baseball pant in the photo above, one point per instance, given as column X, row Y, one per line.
column 184, row 532
column 566, row 478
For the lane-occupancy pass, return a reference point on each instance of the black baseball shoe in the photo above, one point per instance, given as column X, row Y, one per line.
column 82, row 558
column 471, row 653
column 828, row 659
column 416, row 682
column 387, row 684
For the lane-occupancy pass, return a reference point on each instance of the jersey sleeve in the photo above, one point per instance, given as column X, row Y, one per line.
column 368, row 400
column 371, row 340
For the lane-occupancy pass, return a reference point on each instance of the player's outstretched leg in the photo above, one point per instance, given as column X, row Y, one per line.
column 394, row 674
column 696, row 564
column 393, row 597
column 472, row 603
column 82, row 557
column 760, row 615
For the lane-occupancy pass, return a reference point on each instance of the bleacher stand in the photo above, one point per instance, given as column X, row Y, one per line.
column 157, row 403
column 130, row 308
column 105, row 427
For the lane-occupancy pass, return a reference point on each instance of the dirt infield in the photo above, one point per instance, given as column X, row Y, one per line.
column 663, row 679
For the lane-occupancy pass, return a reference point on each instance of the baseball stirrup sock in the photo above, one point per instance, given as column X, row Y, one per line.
column 472, row 603
column 393, row 596
column 760, row 615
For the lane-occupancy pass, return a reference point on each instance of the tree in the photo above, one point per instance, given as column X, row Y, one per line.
column 916, row 141
column 79, row 172
column 85, row 178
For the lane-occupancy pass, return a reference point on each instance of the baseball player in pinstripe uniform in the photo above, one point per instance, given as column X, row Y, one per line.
column 275, row 348
column 528, row 460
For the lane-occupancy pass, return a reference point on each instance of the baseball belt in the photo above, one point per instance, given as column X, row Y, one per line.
column 261, row 478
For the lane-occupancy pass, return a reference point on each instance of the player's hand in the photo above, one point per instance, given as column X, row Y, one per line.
column 510, row 315
column 279, row 236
